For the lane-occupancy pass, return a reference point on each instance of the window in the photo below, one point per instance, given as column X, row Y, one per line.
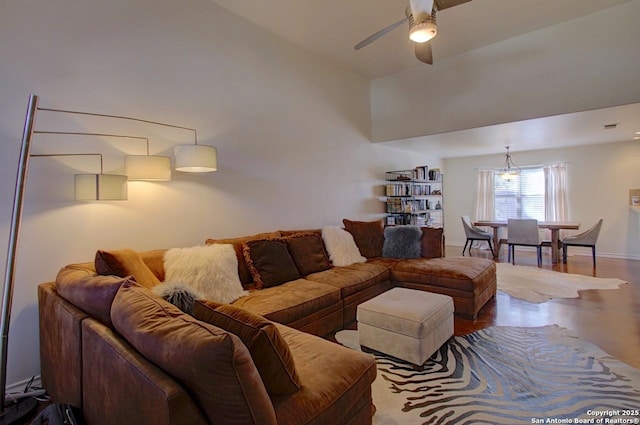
column 522, row 197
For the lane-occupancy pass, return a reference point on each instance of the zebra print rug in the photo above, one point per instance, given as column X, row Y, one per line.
column 505, row 375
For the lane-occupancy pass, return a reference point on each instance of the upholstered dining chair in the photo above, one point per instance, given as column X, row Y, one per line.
column 587, row 239
column 475, row 234
column 523, row 232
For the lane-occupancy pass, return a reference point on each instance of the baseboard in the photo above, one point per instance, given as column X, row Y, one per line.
column 19, row 387
column 572, row 251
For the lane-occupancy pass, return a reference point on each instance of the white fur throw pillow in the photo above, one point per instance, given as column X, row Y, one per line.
column 341, row 246
column 211, row 271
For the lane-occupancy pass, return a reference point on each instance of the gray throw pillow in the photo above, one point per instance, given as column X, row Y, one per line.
column 402, row 242
column 178, row 294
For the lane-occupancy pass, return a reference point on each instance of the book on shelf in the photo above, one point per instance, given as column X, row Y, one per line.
column 420, row 173
column 398, row 189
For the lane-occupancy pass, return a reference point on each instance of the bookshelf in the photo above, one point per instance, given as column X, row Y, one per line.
column 414, row 197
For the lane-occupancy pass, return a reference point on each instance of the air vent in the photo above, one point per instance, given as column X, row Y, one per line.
column 610, row 126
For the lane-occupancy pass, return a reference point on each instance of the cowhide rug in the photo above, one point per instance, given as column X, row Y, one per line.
column 539, row 285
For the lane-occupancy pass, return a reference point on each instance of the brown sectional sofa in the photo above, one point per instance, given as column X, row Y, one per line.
column 87, row 362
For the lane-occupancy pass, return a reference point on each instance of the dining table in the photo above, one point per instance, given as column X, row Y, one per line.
column 554, row 226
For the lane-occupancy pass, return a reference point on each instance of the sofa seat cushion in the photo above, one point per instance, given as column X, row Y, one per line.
column 353, row 278
column 290, row 301
column 462, row 274
column 334, row 380
column 212, row 364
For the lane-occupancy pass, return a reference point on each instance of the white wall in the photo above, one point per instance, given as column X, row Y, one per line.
column 291, row 130
column 512, row 80
column 599, row 179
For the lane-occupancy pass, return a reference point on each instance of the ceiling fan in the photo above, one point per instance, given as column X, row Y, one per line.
column 421, row 15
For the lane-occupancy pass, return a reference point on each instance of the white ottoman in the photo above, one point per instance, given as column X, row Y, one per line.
column 407, row 324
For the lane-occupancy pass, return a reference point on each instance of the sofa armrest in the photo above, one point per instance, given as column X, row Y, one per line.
column 122, row 387
column 60, row 346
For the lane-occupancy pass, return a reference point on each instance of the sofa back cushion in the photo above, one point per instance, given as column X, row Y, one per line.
column 287, row 233
column 214, row 366
column 123, row 263
column 238, row 243
column 432, row 242
column 368, row 235
column 269, row 262
column 308, row 252
column 269, row 350
column 90, row 292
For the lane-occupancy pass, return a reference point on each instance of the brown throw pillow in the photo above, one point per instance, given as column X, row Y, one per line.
column 432, row 242
column 213, row 365
column 369, row 236
column 238, row 244
column 269, row 262
column 308, row 252
column 123, row 263
column 268, row 349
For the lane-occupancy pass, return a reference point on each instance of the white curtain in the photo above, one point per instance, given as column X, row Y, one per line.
column 485, row 200
column 485, row 196
column 556, row 198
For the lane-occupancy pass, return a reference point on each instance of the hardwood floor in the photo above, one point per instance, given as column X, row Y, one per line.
column 608, row 318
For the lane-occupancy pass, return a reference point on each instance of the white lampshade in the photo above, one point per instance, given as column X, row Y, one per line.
column 100, row 187
column 148, row 167
column 196, row 158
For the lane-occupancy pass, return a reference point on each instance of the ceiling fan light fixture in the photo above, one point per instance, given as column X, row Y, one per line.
column 423, row 31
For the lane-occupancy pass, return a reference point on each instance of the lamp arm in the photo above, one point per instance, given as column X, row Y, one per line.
column 47, row 155
column 79, row 133
column 16, row 216
column 122, row 117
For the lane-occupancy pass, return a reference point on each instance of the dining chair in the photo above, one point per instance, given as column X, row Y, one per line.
column 523, row 232
column 475, row 234
column 587, row 238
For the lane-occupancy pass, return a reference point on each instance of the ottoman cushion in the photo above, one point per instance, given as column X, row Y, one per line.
column 406, row 323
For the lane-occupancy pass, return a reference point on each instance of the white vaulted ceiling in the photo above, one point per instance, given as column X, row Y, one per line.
column 470, row 35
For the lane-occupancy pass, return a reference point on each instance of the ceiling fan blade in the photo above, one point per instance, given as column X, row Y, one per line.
column 423, row 52
column 421, row 9
column 445, row 4
column 373, row 37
